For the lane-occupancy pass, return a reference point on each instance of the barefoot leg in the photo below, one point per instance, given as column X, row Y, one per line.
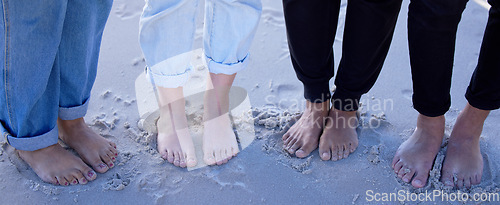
column 219, row 140
column 463, row 160
column 415, row 157
column 174, row 141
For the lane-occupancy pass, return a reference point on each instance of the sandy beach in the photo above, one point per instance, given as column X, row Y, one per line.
column 273, row 97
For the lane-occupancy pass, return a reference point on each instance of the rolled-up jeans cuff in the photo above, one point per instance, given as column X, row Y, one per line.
column 225, row 68
column 72, row 113
column 32, row 143
column 168, row 81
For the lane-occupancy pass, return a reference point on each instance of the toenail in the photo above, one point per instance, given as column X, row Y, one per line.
column 65, row 183
column 74, row 182
column 418, row 182
column 406, row 180
column 113, row 158
column 90, row 174
column 102, row 166
column 84, row 181
column 111, row 165
column 116, row 154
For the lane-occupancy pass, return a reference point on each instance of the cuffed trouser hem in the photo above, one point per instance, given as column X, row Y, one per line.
column 32, row 143
column 341, row 100
column 317, row 92
column 72, row 113
column 483, row 104
column 432, row 111
column 168, row 81
column 172, row 72
column 225, row 68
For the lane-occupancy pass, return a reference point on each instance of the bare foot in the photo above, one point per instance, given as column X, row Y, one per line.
column 219, row 140
column 174, row 141
column 56, row 165
column 302, row 138
column 463, row 160
column 415, row 157
column 94, row 149
column 339, row 137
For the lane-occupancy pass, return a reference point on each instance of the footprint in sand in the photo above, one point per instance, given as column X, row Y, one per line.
column 407, row 93
column 273, row 17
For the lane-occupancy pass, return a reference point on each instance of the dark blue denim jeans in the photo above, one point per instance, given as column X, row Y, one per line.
column 49, row 52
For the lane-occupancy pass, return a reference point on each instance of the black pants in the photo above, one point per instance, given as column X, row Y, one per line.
column 432, row 28
column 311, row 27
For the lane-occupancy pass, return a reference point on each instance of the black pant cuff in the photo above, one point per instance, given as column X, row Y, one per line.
column 344, row 101
column 431, row 111
column 317, row 92
column 479, row 103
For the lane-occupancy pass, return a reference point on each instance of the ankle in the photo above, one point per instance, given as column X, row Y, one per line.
column 71, row 123
column 431, row 125
column 323, row 107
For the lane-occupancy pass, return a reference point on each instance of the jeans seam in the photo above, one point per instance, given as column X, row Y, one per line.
column 6, row 59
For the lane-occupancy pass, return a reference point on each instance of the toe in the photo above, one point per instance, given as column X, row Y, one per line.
column 394, row 161
column 335, row 155
column 88, row 173
column 209, row 158
column 71, row 179
column 404, row 170
column 182, row 162
column 100, row 167
column 170, row 156
column 475, row 179
column 112, row 156
column 235, row 151
column 218, row 157
column 353, row 146
column 397, row 166
column 467, row 182
column 285, row 136
column 447, row 178
column 114, row 146
column 177, row 159
column 324, row 150
column 224, row 156
column 407, row 177
column 62, row 181
column 347, row 151
column 288, row 142
column 420, row 180
column 294, row 148
column 460, row 182
column 80, row 178
column 106, row 159
column 304, row 152
column 340, row 152
column 191, row 159
column 325, row 155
